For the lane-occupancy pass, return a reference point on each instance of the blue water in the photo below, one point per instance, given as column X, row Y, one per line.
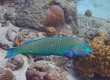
column 99, row 8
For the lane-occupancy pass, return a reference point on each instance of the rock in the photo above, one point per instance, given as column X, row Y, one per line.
column 32, row 35
column 59, row 61
column 15, row 63
column 19, row 1
column 2, row 55
column 42, row 71
column 27, row 35
column 6, row 74
column 37, row 58
column 32, row 14
column 12, row 33
column 3, row 40
column 8, row 15
column 88, row 26
column 71, row 16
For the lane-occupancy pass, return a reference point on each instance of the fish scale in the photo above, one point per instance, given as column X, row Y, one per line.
column 51, row 46
column 45, row 46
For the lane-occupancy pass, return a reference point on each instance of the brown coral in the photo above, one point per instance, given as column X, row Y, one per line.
column 6, row 74
column 17, row 42
column 50, row 31
column 42, row 71
column 99, row 61
column 54, row 15
column 88, row 13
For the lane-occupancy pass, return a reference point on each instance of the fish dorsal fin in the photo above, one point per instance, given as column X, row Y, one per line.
column 25, row 43
column 32, row 41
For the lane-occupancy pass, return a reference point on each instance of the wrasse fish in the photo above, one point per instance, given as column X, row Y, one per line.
column 58, row 45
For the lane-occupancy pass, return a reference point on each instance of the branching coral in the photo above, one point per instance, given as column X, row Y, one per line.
column 99, row 61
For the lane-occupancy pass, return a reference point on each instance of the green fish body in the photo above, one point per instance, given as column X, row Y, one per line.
column 61, row 46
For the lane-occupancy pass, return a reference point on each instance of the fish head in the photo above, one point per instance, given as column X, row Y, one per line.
column 87, row 48
column 81, row 50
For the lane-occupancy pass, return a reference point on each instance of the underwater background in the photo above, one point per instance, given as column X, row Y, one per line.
column 26, row 20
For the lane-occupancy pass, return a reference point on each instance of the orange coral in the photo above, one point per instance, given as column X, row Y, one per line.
column 17, row 42
column 54, row 15
column 50, row 31
column 99, row 61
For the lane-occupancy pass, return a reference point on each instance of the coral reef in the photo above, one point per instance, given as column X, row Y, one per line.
column 42, row 71
column 59, row 61
column 6, row 74
column 15, row 63
column 48, row 1
column 108, row 21
column 71, row 16
column 88, row 13
column 92, row 25
column 99, row 61
column 66, row 32
column 3, row 40
column 17, row 42
column 8, row 15
column 50, row 31
column 54, row 15
column 31, row 16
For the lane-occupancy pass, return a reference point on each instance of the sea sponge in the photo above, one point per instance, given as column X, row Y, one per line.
column 54, row 15
column 50, row 31
column 88, row 13
column 99, row 61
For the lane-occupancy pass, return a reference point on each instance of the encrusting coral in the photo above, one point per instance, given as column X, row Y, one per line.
column 99, row 61
column 50, row 31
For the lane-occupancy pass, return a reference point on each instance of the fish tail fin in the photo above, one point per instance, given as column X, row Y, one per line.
column 11, row 53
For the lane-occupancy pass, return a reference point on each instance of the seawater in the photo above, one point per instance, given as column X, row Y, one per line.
column 99, row 8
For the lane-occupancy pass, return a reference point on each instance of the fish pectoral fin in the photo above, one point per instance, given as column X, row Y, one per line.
column 70, row 53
